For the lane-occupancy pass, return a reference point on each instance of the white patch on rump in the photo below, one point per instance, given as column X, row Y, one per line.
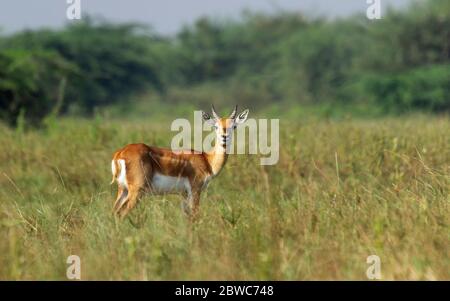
column 168, row 184
column 113, row 168
column 122, row 178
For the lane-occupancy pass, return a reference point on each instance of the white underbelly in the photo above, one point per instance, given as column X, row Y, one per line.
column 168, row 184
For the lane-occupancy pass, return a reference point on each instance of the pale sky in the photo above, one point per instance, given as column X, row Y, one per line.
column 166, row 16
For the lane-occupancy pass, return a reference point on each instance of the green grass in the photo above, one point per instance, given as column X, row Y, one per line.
column 342, row 190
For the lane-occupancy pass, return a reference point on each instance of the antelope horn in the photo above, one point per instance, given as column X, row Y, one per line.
column 233, row 114
column 214, row 112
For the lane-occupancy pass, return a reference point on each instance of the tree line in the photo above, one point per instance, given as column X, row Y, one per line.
column 400, row 63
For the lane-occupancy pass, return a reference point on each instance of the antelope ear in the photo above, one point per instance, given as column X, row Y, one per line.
column 242, row 117
column 208, row 119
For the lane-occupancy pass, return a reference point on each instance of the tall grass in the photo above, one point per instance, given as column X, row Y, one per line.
column 342, row 190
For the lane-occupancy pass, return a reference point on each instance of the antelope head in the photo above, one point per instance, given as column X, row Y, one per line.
column 224, row 126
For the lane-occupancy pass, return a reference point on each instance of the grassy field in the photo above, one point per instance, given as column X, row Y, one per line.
column 342, row 190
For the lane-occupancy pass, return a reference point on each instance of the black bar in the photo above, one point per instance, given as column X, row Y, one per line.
column 222, row 289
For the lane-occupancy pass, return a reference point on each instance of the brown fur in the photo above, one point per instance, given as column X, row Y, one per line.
column 142, row 161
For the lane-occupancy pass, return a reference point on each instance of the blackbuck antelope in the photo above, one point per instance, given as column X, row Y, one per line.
column 140, row 168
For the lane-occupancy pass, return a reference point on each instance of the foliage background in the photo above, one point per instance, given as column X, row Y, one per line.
column 394, row 65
